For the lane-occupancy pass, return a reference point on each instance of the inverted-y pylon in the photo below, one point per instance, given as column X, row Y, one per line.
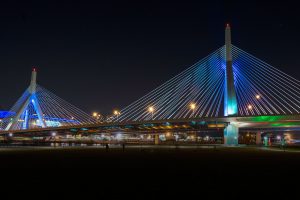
column 31, row 98
column 40, row 108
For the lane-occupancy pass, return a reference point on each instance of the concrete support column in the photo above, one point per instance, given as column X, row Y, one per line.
column 231, row 134
column 156, row 139
column 258, row 138
column 266, row 141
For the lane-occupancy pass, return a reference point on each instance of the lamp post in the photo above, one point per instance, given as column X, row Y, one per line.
column 151, row 110
column 117, row 113
column 193, row 107
column 96, row 116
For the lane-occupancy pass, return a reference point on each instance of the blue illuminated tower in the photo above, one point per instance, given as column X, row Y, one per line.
column 230, row 101
column 23, row 112
column 39, row 108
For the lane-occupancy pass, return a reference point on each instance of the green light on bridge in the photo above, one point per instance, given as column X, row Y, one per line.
column 268, row 118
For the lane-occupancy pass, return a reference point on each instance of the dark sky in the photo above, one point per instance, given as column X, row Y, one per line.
column 101, row 55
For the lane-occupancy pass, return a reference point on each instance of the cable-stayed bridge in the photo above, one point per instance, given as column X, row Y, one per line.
column 229, row 89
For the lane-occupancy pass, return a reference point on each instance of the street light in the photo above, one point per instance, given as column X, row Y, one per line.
column 249, row 107
column 117, row 113
column 193, row 107
column 278, row 137
column 151, row 110
column 96, row 115
column 257, row 96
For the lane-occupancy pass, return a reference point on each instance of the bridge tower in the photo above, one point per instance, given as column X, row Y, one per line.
column 23, row 110
column 230, row 101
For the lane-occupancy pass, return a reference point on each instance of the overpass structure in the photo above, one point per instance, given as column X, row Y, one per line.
column 229, row 90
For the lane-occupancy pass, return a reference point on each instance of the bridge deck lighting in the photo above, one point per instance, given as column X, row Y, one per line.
column 151, row 110
column 96, row 115
column 249, row 107
column 257, row 96
column 278, row 137
column 192, row 106
column 117, row 113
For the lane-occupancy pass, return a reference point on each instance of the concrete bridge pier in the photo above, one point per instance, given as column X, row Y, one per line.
column 231, row 134
column 258, row 138
column 156, row 139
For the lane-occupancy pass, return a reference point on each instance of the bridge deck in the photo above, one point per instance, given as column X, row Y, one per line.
column 176, row 124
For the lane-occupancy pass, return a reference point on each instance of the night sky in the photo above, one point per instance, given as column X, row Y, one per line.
column 104, row 55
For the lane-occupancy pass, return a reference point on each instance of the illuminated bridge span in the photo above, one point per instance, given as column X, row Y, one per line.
column 229, row 88
column 200, row 91
column 40, row 108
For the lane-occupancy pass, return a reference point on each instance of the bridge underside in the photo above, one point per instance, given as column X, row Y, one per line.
column 189, row 126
